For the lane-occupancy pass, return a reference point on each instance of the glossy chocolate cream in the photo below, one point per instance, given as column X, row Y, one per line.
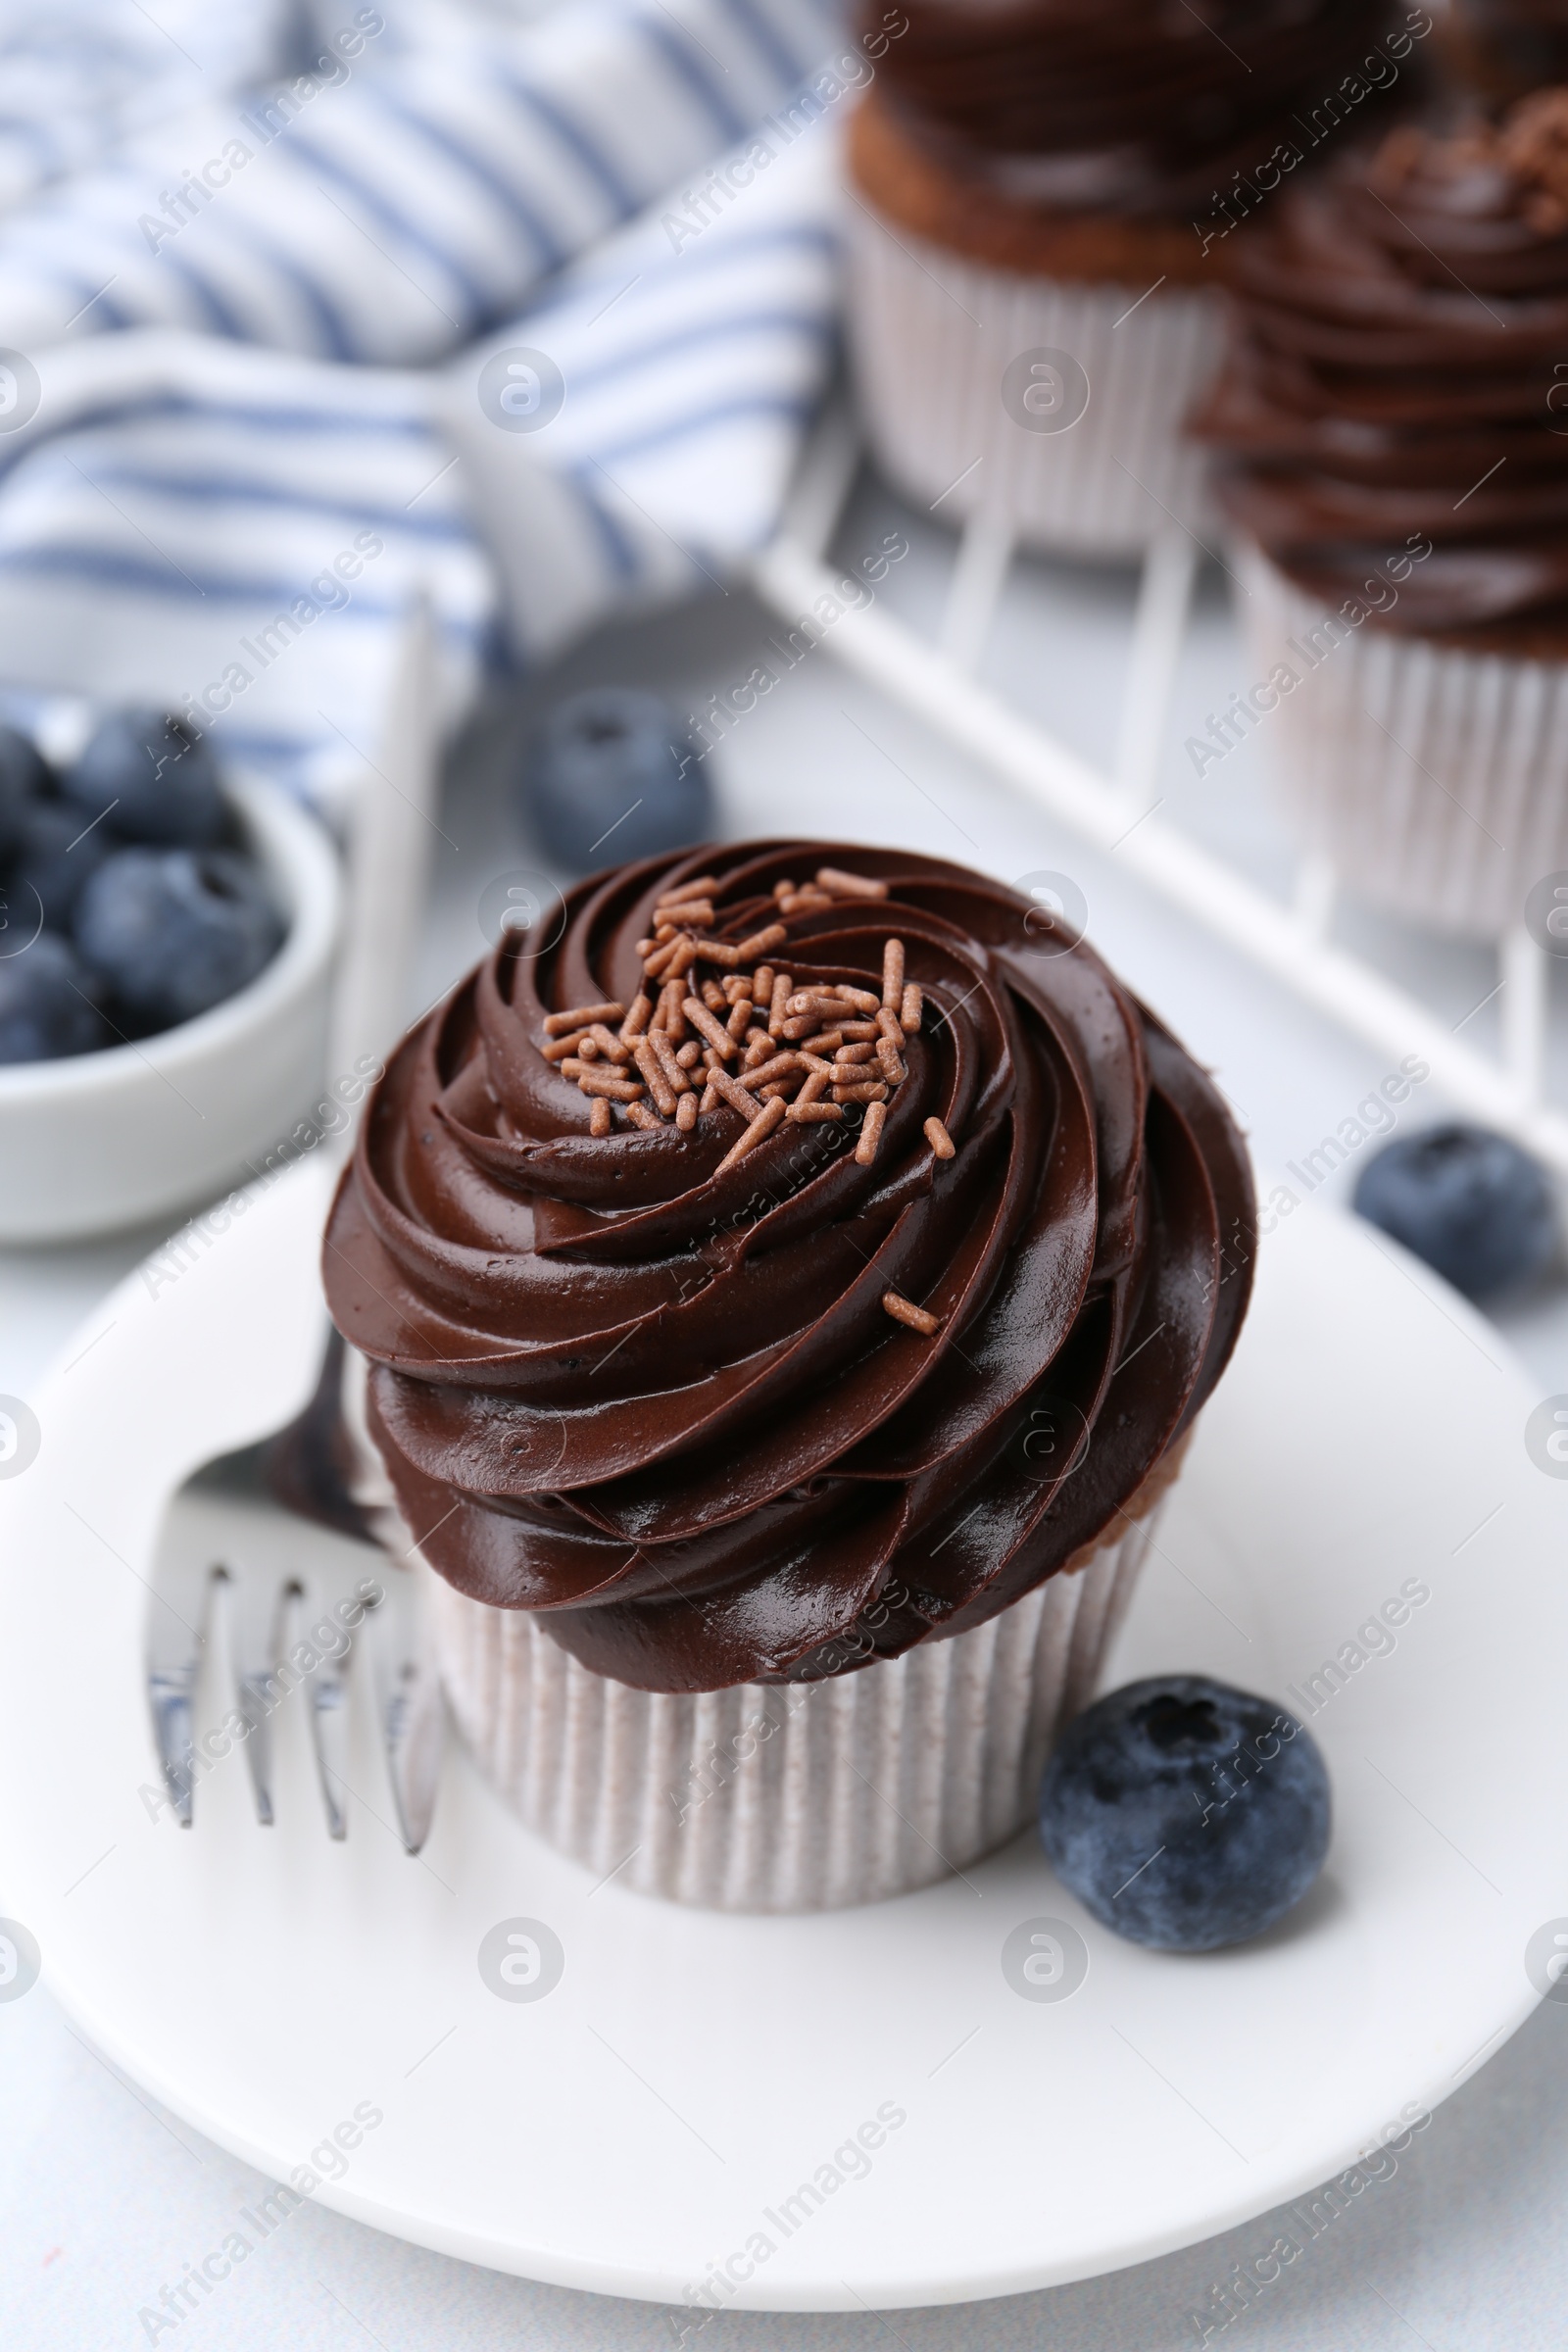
column 1135, row 106
column 748, row 1384
column 1398, row 381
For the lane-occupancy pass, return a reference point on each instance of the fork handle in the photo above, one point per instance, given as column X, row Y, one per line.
column 309, row 1464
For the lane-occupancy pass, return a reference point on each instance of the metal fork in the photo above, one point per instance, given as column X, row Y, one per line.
column 267, row 1554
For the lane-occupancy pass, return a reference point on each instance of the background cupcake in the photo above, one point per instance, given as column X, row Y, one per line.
column 785, row 1455
column 1043, row 193
column 1395, row 456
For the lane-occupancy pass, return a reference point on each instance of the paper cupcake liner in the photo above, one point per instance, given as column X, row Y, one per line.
column 796, row 1797
column 932, row 335
column 1435, row 782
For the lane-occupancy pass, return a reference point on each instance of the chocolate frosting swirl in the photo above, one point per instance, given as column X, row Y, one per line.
column 1133, row 106
column 1398, row 374
column 663, row 1402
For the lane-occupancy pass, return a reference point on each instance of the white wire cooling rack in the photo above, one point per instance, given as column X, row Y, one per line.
column 1288, row 938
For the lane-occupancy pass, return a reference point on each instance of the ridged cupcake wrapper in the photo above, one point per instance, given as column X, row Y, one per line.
column 1434, row 780
column 793, row 1797
column 932, row 335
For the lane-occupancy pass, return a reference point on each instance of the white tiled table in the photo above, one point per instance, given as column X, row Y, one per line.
column 104, row 2198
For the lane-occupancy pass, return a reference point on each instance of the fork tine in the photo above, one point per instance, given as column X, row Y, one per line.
column 260, row 1692
column 326, row 1708
column 170, row 1697
column 171, row 1672
column 410, row 1709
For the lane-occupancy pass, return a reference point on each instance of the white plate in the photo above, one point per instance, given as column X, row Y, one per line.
column 689, row 2071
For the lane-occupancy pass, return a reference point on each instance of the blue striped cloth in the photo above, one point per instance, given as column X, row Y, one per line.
column 78, row 79
column 175, row 538
column 263, row 327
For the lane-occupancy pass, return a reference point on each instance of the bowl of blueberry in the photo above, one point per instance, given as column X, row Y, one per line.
column 166, row 934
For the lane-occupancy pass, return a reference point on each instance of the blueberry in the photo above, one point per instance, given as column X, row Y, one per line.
column 156, row 778
column 172, row 932
column 54, row 858
column 23, row 776
column 48, row 1004
column 1184, row 1814
column 611, row 778
column 1471, row 1203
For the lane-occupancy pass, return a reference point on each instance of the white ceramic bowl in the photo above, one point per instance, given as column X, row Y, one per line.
column 96, row 1141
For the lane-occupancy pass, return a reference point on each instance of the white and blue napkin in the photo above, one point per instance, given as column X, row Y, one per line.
column 269, row 335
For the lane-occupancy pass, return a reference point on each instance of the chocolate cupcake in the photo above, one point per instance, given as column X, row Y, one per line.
column 1396, row 443
column 785, row 1308
column 1043, row 195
